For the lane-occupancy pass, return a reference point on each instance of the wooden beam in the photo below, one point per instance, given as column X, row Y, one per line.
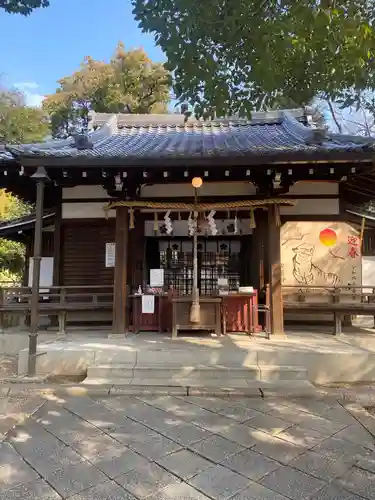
column 274, row 266
column 120, row 292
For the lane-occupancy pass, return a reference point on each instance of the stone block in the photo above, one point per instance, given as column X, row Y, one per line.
column 216, row 448
column 104, row 491
column 292, row 483
column 275, row 448
column 256, row 491
column 37, row 490
column 219, row 483
column 184, row 464
column 320, row 466
column 180, row 491
column 274, row 373
column 73, row 479
column 250, row 464
column 146, row 480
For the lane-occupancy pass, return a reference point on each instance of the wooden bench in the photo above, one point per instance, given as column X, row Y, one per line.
column 58, row 301
column 336, row 301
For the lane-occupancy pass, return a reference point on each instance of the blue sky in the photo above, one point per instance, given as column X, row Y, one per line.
column 38, row 50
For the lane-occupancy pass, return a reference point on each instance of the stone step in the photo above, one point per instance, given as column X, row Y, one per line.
column 197, row 375
column 251, row 388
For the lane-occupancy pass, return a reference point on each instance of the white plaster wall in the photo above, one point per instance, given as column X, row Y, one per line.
column 314, row 187
column 180, row 227
column 46, row 272
column 207, row 189
column 303, row 207
column 368, row 272
column 313, row 207
column 86, row 210
column 82, row 192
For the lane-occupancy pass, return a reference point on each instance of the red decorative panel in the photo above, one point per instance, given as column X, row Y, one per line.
column 240, row 313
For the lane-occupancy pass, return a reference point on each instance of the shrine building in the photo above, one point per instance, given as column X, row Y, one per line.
column 161, row 224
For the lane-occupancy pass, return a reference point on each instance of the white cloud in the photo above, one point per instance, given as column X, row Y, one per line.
column 30, row 91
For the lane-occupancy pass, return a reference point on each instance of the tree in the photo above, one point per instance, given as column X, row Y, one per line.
column 130, row 83
column 229, row 54
column 18, row 122
column 12, row 254
column 24, row 7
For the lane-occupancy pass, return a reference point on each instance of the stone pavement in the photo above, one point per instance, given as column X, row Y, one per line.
column 188, row 448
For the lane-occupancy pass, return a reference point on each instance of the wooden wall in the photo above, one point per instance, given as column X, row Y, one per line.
column 83, row 252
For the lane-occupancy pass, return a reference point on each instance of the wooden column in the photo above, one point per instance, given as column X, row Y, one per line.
column 57, row 241
column 120, row 320
column 274, row 273
column 259, row 257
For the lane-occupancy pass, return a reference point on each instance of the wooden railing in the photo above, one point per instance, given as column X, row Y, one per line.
column 339, row 301
column 55, row 300
column 349, row 294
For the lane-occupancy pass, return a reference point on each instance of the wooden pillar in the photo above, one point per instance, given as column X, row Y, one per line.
column 274, row 271
column 259, row 255
column 120, row 320
column 56, row 279
column 57, row 241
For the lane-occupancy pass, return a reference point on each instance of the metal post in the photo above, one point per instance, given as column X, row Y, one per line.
column 34, row 319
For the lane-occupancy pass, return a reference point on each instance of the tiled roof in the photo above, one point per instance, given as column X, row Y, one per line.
column 141, row 140
column 14, row 226
column 5, row 156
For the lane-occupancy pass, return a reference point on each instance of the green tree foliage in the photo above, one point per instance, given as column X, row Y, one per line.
column 230, row 54
column 24, row 7
column 12, row 254
column 18, row 122
column 130, row 83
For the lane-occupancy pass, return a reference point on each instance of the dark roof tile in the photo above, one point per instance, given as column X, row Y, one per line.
column 196, row 139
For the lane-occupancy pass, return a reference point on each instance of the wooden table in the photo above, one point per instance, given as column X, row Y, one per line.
column 210, row 315
column 240, row 312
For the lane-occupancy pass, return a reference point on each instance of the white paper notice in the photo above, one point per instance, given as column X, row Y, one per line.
column 156, row 278
column 148, row 304
column 110, row 253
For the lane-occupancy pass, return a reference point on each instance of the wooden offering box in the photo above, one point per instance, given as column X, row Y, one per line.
column 147, row 322
column 210, row 315
column 240, row 312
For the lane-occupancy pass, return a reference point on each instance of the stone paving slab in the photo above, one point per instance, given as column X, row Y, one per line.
column 16, row 410
column 292, row 483
column 167, row 447
column 219, row 483
column 146, row 480
column 185, row 464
